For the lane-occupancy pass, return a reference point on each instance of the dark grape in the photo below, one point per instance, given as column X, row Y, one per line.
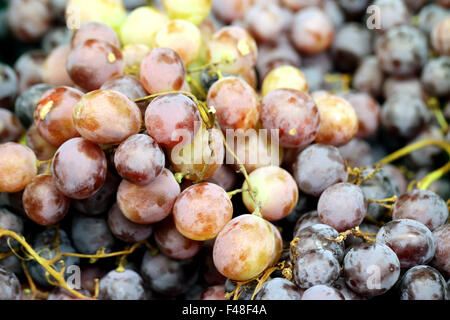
column 9, row 285
column 340, row 285
column 12, row 222
column 29, row 69
column 423, row 283
column 10, row 127
column 357, row 153
column 26, row 103
column 441, row 258
column 125, row 285
column 322, row 292
column 306, row 220
column 89, row 234
column 126, row 230
column 9, row 86
column 278, row 289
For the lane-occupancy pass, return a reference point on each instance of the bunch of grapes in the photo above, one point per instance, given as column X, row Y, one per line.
column 224, row 149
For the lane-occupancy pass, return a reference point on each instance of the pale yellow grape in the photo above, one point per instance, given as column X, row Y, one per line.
column 141, row 26
column 194, row 11
column 183, row 37
column 284, row 77
column 109, row 12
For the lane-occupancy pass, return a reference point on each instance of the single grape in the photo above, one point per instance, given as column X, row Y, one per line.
column 54, row 70
column 12, row 264
column 439, row 36
column 371, row 269
column 294, row 114
column 9, row 285
column 319, row 167
column 172, row 243
column 172, row 120
column 93, row 62
column 53, row 115
column 167, row 276
column 9, row 85
column 29, row 69
column 149, row 203
column 79, row 168
column 315, row 267
column 95, row 30
column 126, row 230
column 441, row 258
column 278, row 289
column 322, row 292
column 120, row 118
column 201, row 211
column 89, row 234
column 214, row 293
column 422, row 205
column 275, row 191
column 27, row 101
column 43, row 202
column 284, row 77
column 126, row 285
column 338, row 119
column 244, row 247
column 12, row 222
column 423, row 283
column 139, row 159
column 17, row 165
column 10, row 127
column 235, row 102
column 306, row 220
column 430, row 15
column 162, row 70
column 434, row 76
column 342, row 206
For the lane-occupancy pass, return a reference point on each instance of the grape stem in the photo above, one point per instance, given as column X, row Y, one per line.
column 425, row 182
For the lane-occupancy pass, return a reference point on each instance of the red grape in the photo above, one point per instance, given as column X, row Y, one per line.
column 17, row 165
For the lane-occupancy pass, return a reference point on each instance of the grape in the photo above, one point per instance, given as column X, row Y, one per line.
column 162, row 70
column 368, row 77
column 172, row 120
column 124, row 229
column 371, row 269
column 9, row 285
column 12, row 263
column 119, row 119
column 353, row 7
column 93, row 62
column 319, row 167
column 245, row 292
column 90, row 234
column 79, row 168
column 284, row 77
column 194, row 11
column 404, row 86
column 236, row 103
column 230, row 10
column 139, row 159
column 312, row 31
column 392, row 13
column 56, row 37
column 441, row 258
column 342, row 206
column 29, row 20
column 317, row 237
column 225, row 177
column 338, row 119
column 102, row 200
column 167, row 276
column 297, row 5
column 200, row 159
column 133, row 54
column 357, row 153
column 172, row 243
column 8, row 86
column 141, row 26
column 53, row 115
column 411, row 241
column 322, row 292
column 434, row 76
column 429, row 16
column 244, row 247
column 126, row 285
column 306, row 220
column 201, row 211
column 214, row 293
column 398, row 177
column 95, row 30
column 10, row 127
column 423, row 283
column 88, row 275
column 275, row 191
column 266, row 21
column 368, row 112
column 29, row 69
column 183, row 37
column 12, row 222
column 426, row 156
column 422, row 205
column 402, row 51
column 54, row 68
column 340, row 285
column 59, row 293
column 43, row 202
column 209, row 271
column 294, row 114
column 278, row 289
column 47, row 238
column 232, row 49
column 148, row 203
column 315, row 267
column 439, row 36
column 17, row 165
column 27, row 101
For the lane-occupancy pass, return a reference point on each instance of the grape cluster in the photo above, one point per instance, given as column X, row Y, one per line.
column 224, row 149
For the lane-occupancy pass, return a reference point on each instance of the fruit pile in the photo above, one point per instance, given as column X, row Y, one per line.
column 224, row 149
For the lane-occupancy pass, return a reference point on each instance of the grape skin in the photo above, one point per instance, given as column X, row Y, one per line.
column 423, row 283
column 278, row 289
column 126, row 230
column 89, row 234
column 9, row 285
column 441, row 259
column 126, row 285
column 322, row 292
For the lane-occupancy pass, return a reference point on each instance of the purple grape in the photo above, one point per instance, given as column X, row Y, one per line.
column 322, row 292
column 441, row 259
column 9, row 285
column 278, row 289
column 423, row 283
column 125, row 285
